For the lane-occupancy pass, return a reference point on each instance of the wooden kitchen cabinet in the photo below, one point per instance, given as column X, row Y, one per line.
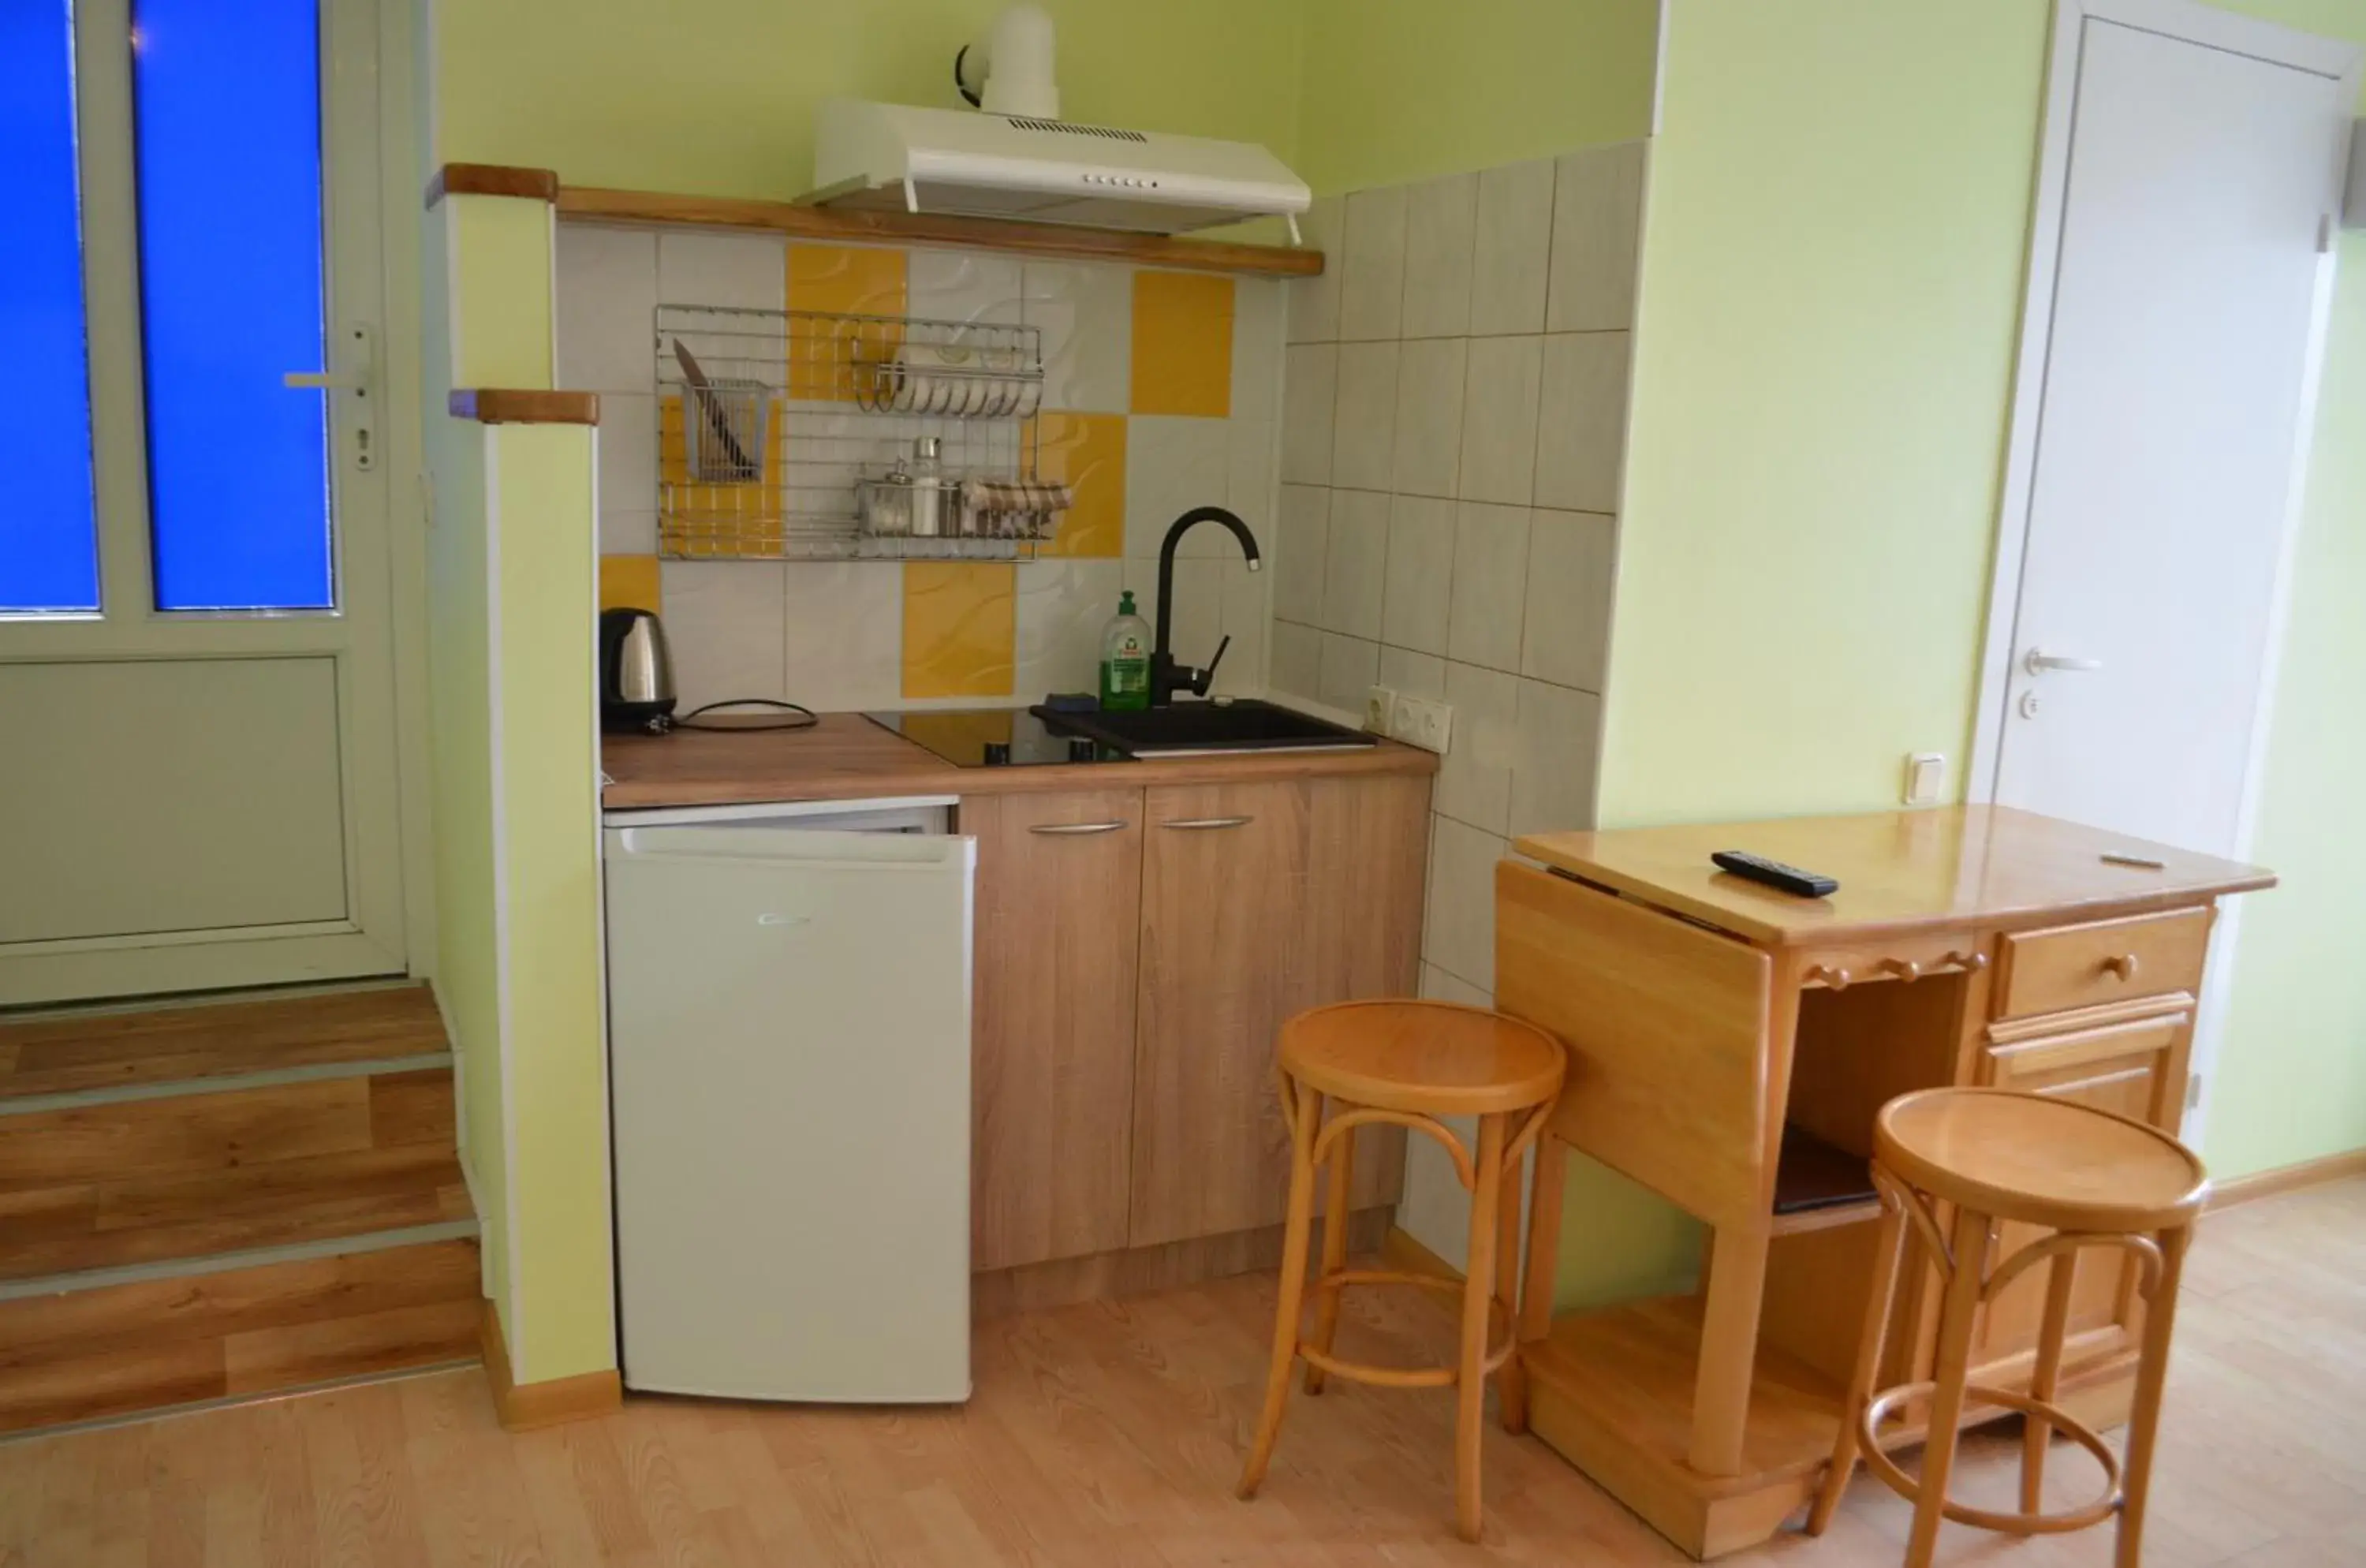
column 1260, row 899
column 1059, row 884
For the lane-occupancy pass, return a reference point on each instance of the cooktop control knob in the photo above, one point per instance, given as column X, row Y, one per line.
column 997, row 753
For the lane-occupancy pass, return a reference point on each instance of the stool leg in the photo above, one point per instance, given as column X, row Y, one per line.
column 1334, row 1253
column 1478, row 1288
column 1952, row 1366
column 1511, row 1378
column 1889, row 1254
column 1293, row 1285
column 2144, row 1417
column 2052, row 1330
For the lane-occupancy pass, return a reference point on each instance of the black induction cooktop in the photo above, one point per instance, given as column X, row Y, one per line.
column 993, row 738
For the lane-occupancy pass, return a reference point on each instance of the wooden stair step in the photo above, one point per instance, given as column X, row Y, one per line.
column 198, row 1133
column 125, row 1348
column 69, row 1053
column 148, row 1218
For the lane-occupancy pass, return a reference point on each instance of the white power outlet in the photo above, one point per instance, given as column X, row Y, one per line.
column 1380, row 710
column 1423, row 722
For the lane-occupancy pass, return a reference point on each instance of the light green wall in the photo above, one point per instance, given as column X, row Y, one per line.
column 718, row 97
column 500, row 308
column 1398, row 90
column 1834, row 241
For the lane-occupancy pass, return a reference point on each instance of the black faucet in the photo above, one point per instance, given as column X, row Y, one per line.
column 1166, row 677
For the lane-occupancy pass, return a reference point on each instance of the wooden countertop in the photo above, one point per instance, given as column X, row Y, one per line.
column 1899, row 872
column 846, row 757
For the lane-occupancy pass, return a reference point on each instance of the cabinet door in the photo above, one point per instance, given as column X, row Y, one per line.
column 1224, row 908
column 2136, row 1069
column 1059, row 893
column 1285, row 896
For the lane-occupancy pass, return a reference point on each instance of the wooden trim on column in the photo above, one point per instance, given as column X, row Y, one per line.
column 523, row 1406
column 2287, row 1179
column 492, row 179
column 502, row 405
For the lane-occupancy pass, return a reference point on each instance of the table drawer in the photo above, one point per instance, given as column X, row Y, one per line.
column 2108, row 960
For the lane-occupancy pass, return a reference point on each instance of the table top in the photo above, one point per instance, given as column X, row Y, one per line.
column 1989, row 866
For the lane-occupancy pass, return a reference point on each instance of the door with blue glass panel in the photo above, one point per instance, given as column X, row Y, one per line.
column 200, row 779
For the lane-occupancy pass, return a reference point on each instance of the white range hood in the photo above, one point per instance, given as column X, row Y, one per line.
column 1013, row 157
column 895, row 157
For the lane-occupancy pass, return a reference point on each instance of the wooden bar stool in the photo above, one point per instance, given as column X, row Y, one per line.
column 1406, row 1063
column 2094, row 1178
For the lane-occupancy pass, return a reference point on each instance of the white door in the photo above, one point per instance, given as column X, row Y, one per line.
column 197, row 778
column 2161, row 413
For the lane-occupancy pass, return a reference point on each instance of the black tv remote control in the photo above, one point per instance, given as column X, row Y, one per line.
column 1774, row 874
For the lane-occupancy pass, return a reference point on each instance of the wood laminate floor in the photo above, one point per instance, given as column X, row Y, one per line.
column 1110, row 1434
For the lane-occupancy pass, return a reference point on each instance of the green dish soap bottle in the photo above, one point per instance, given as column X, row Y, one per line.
column 1125, row 659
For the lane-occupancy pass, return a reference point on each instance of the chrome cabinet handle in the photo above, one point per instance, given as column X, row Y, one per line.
column 1078, row 828
column 1190, row 822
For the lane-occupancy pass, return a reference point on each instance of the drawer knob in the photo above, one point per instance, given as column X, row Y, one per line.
column 1969, row 963
column 1834, row 980
column 1905, row 969
column 2123, row 966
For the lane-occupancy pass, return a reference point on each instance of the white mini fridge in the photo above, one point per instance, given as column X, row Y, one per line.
column 789, row 1038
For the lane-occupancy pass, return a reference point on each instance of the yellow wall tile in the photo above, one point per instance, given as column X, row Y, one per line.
column 1086, row 452
column 847, row 280
column 1183, row 343
column 628, row 581
column 960, row 628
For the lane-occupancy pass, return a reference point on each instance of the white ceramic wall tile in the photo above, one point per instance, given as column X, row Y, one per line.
column 1062, row 606
column 1419, row 584
column 628, row 533
column 1474, row 778
column 1198, row 622
column 628, row 464
column 1314, row 305
column 1086, row 310
column 1295, row 660
column 607, row 294
column 1580, row 421
column 1256, row 349
column 844, row 632
column 1459, row 935
column 964, row 286
column 1173, row 463
column 747, row 272
column 1357, row 563
column 723, row 626
column 1555, row 764
column 1248, row 615
column 1350, row 665
column 1310, row 374
column 1489, row 598
column 1302, row 554
column 1411, row 674
column 1362, row 450
column 1428, row 436
column 1565, row 634
column 1251, row 485
column 1511, row 258
column 1371, row 278
column 1499, row 420
column 1441, row 225
column 1598, row 207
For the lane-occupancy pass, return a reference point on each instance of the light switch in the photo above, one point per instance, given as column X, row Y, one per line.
column 1926, row 778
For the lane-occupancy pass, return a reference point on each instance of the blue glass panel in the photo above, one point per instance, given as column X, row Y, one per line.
column 49, row 542
column 228, row 97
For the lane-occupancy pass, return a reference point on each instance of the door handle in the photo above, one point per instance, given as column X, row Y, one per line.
column 1200, row 822
column 2038, row 663
column 1075, row 830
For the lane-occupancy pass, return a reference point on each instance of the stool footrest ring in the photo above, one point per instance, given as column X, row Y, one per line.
column 1909, row 1487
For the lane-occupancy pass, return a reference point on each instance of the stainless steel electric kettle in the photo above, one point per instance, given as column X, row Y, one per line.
column 636, row 673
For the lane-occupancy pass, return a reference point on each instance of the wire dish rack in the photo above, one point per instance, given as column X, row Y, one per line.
column 771, row 421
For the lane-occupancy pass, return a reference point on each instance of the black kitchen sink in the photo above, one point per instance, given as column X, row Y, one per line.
column 1199, row 729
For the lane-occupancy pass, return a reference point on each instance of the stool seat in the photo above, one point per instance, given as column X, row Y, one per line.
column 1426, row 1059
column 2045, row 1162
